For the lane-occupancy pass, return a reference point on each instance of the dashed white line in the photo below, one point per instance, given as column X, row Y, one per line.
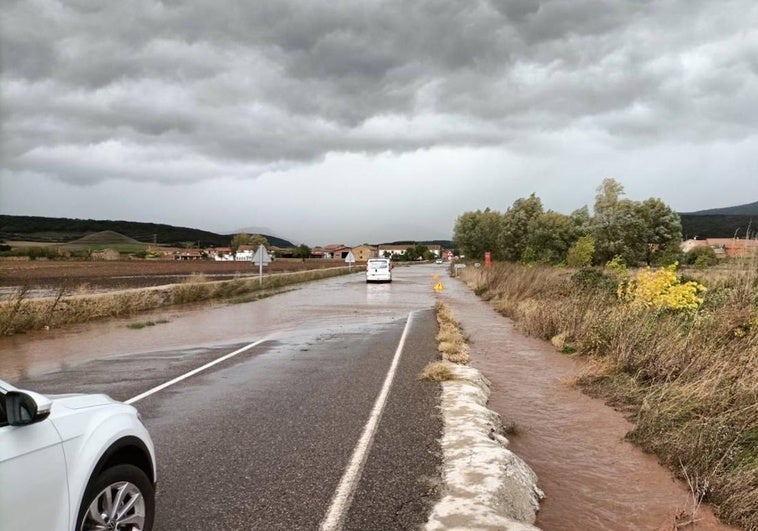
column 343, row 496
column 193, row 372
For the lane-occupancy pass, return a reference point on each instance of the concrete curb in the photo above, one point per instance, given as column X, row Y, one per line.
column 486, row 486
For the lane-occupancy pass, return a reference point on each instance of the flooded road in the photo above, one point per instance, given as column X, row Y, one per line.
column 329, row 303
column 592, row 477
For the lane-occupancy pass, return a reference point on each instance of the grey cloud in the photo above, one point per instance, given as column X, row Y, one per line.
column 249, row 86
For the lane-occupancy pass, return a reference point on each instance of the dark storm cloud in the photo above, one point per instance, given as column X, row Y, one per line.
column 182, row 91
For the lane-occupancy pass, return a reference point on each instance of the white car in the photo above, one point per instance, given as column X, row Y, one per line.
column 73, row 463
column 379, row 270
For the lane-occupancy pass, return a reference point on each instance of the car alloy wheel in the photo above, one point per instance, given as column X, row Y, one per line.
column 119, row 504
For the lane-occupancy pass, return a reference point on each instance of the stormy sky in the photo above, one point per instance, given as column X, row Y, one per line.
column 329, row 121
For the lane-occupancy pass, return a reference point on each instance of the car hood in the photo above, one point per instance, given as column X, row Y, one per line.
column 80, row 401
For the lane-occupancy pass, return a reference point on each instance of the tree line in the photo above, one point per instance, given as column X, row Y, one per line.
column 646, row 231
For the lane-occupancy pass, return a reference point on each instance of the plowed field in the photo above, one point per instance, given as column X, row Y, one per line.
column 106, row 275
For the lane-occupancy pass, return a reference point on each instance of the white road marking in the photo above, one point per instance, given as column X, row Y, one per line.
column 193, row 372
column 343, row 496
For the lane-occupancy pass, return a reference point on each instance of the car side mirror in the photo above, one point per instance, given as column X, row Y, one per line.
column 25, row 407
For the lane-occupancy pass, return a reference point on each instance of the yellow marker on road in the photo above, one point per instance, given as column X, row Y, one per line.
column 438, row 286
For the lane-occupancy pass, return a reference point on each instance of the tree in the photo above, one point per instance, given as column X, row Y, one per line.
column 663, row 228
column 516, row 223
column 239, row 240
column 302, row 251
column 618, row 226
column 550, row 236
column 631, row 229
column 477, row 232
column 257, row 240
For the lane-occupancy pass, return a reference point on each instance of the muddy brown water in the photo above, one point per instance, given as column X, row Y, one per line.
column 592, row 477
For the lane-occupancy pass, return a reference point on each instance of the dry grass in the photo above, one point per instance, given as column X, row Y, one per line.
column 19, row 314
column 437, row 371
column 450, row 343
column 690, row 383
column 450, row 340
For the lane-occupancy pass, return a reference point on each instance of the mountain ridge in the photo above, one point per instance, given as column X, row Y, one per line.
column 63, row 230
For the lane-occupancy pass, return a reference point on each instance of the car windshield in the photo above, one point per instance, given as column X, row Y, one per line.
column 377, row 264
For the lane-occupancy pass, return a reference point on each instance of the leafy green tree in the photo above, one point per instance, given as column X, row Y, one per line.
column 580, row 254
column 517, row 221
column 239, row 240
column 477, row 232
column 257, row 240
column 631, row 229
column 550, row 236
column 618, row 226
column 302, row 251
column 582, row 221
column 662, row 228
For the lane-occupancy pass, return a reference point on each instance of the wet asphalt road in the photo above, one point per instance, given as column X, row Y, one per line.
column 260, row 441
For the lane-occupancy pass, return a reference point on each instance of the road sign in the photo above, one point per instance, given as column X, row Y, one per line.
column 261, row 258
column 350, row 259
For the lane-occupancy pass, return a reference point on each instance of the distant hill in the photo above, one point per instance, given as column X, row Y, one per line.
column 749, row 209
column 106, row 237
column 64, row 230
column 725, row 222
column 445, row 244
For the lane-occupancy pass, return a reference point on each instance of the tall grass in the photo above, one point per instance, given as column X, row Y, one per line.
column 688, row 381
column 20, row 314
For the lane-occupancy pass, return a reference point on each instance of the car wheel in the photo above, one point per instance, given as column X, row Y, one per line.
column 120, row 498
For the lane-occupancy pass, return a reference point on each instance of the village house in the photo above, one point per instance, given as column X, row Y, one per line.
column 221, row 254
column 724, row 247
column 363, row 252
column 189, row 254
column 387, row 250
column 336, row 251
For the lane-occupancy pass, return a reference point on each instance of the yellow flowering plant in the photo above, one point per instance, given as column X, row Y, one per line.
column 662, row 289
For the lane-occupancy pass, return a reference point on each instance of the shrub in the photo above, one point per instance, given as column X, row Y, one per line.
column 662, row 289
column 591, row 278
column 703, row 256
column 580, row 254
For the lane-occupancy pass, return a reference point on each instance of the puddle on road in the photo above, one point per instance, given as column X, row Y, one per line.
column 593, row 478
column 329, row 303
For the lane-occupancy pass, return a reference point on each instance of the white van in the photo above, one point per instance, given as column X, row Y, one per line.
column 379, row 270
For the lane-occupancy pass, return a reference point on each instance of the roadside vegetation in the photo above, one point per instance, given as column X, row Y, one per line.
column 677, row 350
column 19, row 313
column 678, row 354
column 451, row 344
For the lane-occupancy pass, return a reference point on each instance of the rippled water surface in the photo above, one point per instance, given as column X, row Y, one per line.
column 592, row 477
